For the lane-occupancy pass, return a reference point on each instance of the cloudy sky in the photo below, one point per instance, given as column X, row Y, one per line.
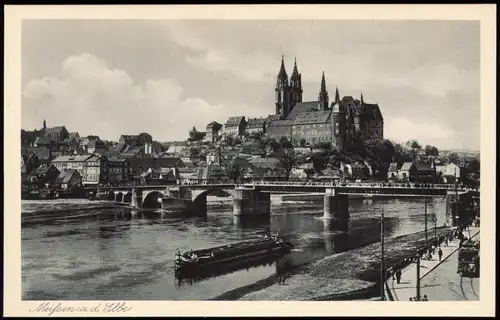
column 109, row 77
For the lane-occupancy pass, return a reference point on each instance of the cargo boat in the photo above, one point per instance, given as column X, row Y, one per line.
column 201, row 263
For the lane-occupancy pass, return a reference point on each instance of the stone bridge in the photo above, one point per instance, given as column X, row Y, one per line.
column 255, row 198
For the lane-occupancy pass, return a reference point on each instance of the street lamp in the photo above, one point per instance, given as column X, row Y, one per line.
column 425, row 214
column 435, row 235
column 382, row 272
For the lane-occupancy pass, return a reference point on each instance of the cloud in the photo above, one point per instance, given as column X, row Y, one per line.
column 402, row 129
column 89, row 94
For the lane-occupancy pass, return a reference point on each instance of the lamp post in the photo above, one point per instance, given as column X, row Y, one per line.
column 435, row 232
column 418, row 276
column 382, row 272
column 425, row 214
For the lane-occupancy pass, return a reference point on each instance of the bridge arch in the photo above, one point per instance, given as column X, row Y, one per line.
column 119, row 196
column 111, row 196
column 150, row 200
column 127, row 197
column 201, row 195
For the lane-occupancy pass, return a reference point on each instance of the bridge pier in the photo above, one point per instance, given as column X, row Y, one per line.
column 251, row 202
column 136, row 200
column 335, row 206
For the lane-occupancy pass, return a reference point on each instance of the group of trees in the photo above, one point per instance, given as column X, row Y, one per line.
column 379, row 153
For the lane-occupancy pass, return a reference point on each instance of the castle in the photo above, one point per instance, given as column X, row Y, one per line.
column 339, row 122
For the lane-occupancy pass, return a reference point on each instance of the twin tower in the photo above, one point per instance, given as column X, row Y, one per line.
column 289, row 93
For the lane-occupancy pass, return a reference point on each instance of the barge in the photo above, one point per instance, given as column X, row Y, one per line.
column 205, row 262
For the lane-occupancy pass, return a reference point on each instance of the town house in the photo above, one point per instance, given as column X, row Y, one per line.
column 235, row 126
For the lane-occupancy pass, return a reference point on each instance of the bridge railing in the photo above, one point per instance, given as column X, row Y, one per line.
column 336, row 184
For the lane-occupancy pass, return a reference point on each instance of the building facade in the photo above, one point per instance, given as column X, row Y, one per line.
column 119, row 170
column 212, row 131
column 92, row 168
column 235, row 126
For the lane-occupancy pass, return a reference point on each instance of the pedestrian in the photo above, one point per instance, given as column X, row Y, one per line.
column 425, row 298
column 411, row 299
column 440, row 254
column 398, row 276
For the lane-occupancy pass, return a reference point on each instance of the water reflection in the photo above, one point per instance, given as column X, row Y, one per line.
column 141, row 244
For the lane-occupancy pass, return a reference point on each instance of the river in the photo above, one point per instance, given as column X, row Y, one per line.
column 109, row 252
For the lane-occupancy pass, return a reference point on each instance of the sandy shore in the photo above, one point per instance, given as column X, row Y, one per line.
column 354, row 274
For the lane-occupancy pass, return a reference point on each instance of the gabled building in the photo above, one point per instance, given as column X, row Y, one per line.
column 212, row 131
column 69, row 179
column 417, row 172
column 235, row 126
column 57, row 134
column 256, row 125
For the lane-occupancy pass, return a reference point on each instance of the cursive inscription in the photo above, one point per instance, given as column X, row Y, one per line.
column 108, row 307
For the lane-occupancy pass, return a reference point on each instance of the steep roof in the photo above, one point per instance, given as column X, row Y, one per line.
column 312, row 117
column 371, row 112
column 74, row 135
column 256, row 122
column 40, row 152
column 406, row 166
column 170, row 162
column 72, row 158
column 393, row 167
column 300, row 107
column 65, row 176
column 422, row 166
column 351, row 105
column 57, row 129
column 214, row 124
column 281, row 123
column 234, row 121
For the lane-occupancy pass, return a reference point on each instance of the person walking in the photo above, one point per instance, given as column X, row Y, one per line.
column 398, row 276
column 440, row 254
column 425, row 298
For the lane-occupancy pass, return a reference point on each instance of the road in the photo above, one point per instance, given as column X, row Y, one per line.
column 444, row 284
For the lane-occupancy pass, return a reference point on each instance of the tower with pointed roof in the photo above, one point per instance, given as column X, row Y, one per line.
column 282, row 91
column 44, row 124
column 323, row 94
column 295, row 86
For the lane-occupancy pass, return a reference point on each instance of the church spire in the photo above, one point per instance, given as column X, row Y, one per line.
column 295, row 69
column 323, row 83
column 323, row 94
column 337, row 95
column 362, row 100
column 282, row 73
column 44, row 124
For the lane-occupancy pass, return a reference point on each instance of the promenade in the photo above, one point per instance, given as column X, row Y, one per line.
column 438, row 279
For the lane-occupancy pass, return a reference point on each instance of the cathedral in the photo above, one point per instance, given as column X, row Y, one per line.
column 339, row 122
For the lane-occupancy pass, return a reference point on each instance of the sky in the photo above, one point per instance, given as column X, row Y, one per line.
column 113, row 77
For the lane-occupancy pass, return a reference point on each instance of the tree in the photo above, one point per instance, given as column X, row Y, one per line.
column 415, row 148
column 474, row 164
column 302, row 143
column 431, row 151
column 287, row 161
column 319, row 161
column 285, row 143
column 234, row 171
column 453, row 158
column 381, row 152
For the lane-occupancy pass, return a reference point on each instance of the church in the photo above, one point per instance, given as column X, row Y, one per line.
column 339, row 122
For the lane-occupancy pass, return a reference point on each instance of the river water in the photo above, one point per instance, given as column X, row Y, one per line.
column 108, row 252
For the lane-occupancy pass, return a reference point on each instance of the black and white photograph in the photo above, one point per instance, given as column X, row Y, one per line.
column 249, row 160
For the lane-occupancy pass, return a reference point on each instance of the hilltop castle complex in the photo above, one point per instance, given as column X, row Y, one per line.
column 338, row 122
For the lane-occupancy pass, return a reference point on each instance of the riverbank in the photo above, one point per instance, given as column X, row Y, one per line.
column 353, row 274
